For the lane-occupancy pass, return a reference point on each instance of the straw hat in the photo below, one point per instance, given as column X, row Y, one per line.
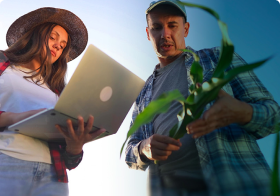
column 69, row 21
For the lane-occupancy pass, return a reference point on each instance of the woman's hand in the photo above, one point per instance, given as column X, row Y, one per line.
column 75, row 139
column 9, row 118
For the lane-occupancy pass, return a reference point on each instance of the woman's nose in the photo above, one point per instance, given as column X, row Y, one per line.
column 56, row 46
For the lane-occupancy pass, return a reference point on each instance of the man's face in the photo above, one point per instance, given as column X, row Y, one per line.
column 167, row 33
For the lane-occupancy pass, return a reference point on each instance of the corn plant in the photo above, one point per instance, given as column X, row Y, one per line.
column 275, row 189
column 194, row 104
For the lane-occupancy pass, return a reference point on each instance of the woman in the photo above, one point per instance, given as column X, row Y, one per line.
column 32, row 73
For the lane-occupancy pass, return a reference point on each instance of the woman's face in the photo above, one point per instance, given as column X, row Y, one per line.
column 57, row 42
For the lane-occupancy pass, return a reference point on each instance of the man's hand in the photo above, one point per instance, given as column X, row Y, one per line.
column 75, row 139
column 225, row 111
column 158, row 147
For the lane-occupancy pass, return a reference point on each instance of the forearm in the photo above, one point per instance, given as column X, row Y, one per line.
column 248, row 88
column 265, row 116
column 265, row 110
column 245, row 114
column 9, row 118
column 74, row 149
column 6, row 119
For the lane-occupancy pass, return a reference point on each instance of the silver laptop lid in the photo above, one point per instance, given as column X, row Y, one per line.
column 105, row 90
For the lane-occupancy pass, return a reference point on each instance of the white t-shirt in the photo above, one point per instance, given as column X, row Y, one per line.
column 20, row 95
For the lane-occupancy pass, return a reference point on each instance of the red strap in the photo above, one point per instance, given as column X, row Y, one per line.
column 58, row 162
column 4, row 62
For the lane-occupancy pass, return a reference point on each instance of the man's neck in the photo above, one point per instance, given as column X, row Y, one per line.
column 165, row 61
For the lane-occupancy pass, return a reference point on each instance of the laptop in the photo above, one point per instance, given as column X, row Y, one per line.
column 100, row 86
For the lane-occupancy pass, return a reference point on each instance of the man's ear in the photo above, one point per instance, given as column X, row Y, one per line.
column 187, row 27
column 148, row 34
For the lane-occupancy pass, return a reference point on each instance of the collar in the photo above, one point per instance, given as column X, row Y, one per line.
column 187, row 56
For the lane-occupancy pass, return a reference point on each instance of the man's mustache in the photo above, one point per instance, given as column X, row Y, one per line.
column 167, row 43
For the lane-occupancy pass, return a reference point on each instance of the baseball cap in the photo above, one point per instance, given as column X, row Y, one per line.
column 175, row 3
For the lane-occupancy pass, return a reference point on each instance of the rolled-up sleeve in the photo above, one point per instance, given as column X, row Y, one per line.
column 248, row 88
column 133, row 159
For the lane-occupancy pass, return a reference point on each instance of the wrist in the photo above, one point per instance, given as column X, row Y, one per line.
column 143, row 157
column 140, row 148
column 73, row 150
column 7, row 119
column 246, row 113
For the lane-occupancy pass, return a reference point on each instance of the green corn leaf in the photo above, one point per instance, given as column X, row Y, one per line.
column 190, row 99
column 210, row 11
column 275, row 190
column 194, row 105
column 174, row 130
column 194, row 110
column 196, row 73
column 181, row 131
column 224, row 60
column 234, row 72
column 197, row 100
column 209, row 92
column 160, row 105
column 206, row 94
column 202, row 96
column 191, row 88
column 227, row 51
column 224, row 31
column 227, row 46
column 180, row 117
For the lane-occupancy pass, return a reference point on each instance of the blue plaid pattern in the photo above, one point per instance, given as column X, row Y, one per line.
column 231, row 160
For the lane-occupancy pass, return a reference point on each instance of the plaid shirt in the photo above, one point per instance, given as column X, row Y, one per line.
column 60, row 158
column 231, row 161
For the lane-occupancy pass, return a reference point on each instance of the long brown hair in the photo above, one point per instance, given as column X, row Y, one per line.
column 31, row 45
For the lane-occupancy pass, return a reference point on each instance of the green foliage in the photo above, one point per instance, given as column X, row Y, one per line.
column 275, row 190
column 210, row 11
column 161, row 105
column 193, row 106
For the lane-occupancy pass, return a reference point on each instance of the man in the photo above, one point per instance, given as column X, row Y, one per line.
column 219, row 155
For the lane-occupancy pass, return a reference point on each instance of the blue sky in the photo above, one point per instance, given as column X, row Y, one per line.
column 118, row 28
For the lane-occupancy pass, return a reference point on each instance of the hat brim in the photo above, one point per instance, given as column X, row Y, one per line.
column 66, row 19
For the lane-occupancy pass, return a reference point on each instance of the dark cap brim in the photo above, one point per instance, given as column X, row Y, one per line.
column 167, row 2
